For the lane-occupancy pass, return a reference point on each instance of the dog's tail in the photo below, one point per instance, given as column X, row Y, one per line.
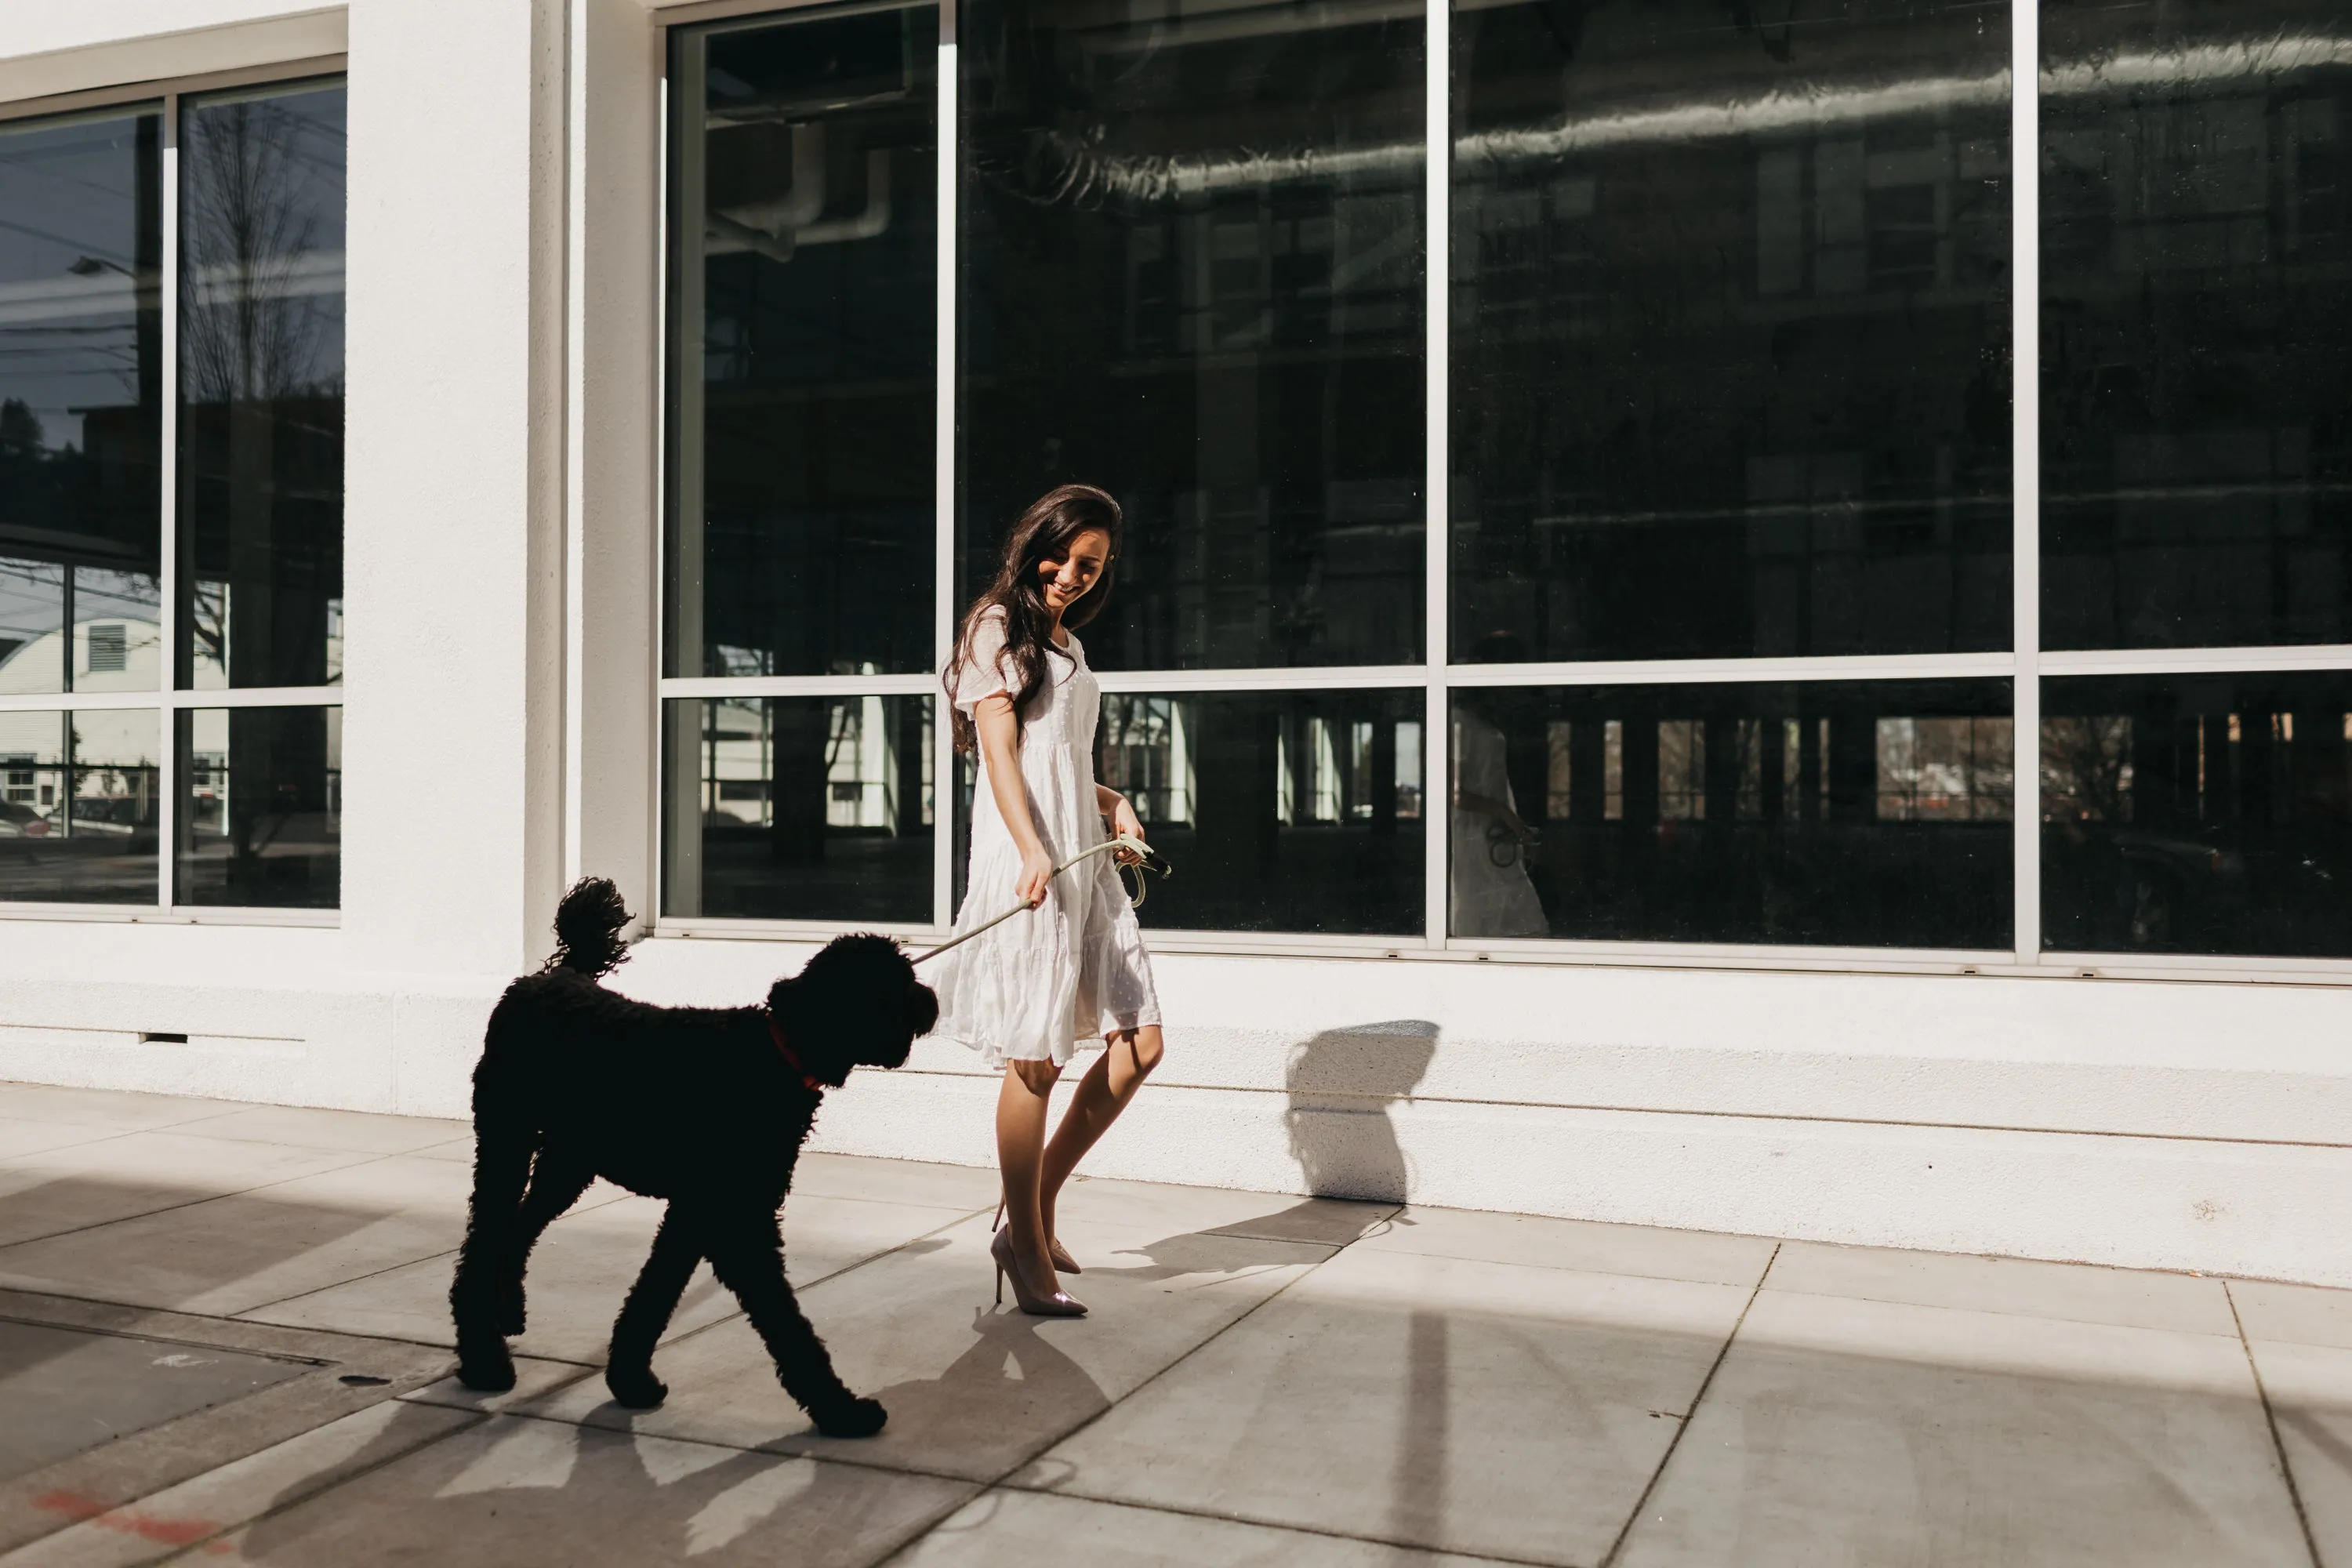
column 588, row 929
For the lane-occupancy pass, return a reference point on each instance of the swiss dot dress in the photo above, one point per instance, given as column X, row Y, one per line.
column 1075, row 967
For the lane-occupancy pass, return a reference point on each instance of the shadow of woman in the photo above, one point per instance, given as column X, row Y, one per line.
column 1011, row 1388
column 1342, row 1084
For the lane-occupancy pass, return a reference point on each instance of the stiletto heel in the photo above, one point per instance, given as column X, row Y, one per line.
column 1062, row 1262
column 1060, row 1304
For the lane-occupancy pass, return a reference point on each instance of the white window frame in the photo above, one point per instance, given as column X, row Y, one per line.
column 2023, row 665
column 169, row 701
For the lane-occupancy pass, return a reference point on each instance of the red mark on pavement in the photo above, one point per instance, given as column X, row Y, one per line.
column 130, row 1521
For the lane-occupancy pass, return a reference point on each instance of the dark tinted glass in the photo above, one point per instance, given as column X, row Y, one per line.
column 1731, row 329
column 812, row 808
column 80, row 388
column 261, row 807
column 1191, row 273
column 803, row 387
column 78, row 808
column 2198, row 813
column 1858, row 814
column 261, row 388
column 2197, row 324
column 1280, row 811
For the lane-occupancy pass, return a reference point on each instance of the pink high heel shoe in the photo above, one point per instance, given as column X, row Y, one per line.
column 1060, row 1304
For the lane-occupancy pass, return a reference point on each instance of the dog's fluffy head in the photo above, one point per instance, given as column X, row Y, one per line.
column 856, row 1004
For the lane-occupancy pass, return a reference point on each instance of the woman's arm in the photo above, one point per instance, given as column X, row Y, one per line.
column 1000, row 747
column 1124, row 823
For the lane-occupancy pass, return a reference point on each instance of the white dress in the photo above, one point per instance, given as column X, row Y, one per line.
column 1073, row 968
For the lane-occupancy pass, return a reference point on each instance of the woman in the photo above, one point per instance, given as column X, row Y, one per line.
column 1025, row 992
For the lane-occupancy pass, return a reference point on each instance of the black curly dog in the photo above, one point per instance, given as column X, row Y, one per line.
column 706, row 1107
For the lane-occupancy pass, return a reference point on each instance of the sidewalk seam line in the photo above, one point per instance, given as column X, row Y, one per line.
column 285, row 1502
column 208, row 1197
column 1055, row 1441
column 2270, row 1420
column 1625, row 1531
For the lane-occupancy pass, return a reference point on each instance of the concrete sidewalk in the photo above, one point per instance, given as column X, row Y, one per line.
column 223, row 1333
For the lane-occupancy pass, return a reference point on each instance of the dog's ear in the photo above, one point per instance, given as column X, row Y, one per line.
column 856, row 1004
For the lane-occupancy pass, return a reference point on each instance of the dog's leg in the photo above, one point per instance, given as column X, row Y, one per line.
column 747, row 1252
column 556, row 1183
column 629, row 1368
column 501, row 1166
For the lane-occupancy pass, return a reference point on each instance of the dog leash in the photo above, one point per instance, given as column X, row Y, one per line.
column 1148, row 860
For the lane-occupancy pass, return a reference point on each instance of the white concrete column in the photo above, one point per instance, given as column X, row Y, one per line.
column 612, row 561
column 453, row 738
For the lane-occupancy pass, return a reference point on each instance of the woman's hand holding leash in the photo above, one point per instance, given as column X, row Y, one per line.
column 1130, row 850
column 1125, row 823
column 1036, row 874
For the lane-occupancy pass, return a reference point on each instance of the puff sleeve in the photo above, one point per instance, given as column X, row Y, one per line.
column 984, row 673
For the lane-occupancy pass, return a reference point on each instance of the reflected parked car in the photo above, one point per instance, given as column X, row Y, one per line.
column 18, row 820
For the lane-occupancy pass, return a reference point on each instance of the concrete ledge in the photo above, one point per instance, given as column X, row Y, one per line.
column 119, row 43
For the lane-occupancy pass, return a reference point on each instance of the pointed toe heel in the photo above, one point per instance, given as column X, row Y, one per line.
column 1057, row 1304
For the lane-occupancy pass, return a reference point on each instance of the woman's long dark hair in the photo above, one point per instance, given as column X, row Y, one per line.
column 1043, row 532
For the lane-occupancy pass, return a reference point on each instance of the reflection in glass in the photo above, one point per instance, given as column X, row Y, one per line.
column 1191, row 274
column 117, row 636
column 812, row 808
column 1861, row 813
column 261, row 807
column 2197, row 324
column 77, row 806
column 803, row 387
column 1731, row 329
column 2198, row 813
column 261, row 387
column 1280, row 811
column 80, row 388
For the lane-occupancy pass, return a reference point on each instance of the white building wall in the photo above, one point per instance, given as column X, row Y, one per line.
column 499, row 738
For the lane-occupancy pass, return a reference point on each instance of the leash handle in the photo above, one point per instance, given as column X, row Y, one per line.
column 1144, row 851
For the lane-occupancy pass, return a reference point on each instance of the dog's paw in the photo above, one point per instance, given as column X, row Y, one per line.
column 636, row 1387
column 485, row 1368
column 852, row 1417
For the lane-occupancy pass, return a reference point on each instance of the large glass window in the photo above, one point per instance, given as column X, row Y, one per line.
column 1190, row 271
column 1861, row 813
column 81, row 418
column 803, row 337
column 2197, row 324
column 2198, row 813
column 1717, row 411
column 170, row 804
column 1282, row 811
column 1730, row 329
column 261, row 387
column 78, row 807
column 261, row 807
column 801, row 808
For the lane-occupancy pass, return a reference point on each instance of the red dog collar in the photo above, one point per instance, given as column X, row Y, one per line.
column 791, row 1059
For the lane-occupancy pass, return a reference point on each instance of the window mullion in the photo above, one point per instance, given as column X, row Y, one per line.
column 943, row 481
column 2025, row 467
column 1437, row 786
column 167, row 620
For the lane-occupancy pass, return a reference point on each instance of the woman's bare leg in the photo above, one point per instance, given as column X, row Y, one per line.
column 1021, row 1105
column 1127, row 1059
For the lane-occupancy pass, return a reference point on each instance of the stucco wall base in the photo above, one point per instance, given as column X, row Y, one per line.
column 2146, row 1125
column 2264, row 1211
